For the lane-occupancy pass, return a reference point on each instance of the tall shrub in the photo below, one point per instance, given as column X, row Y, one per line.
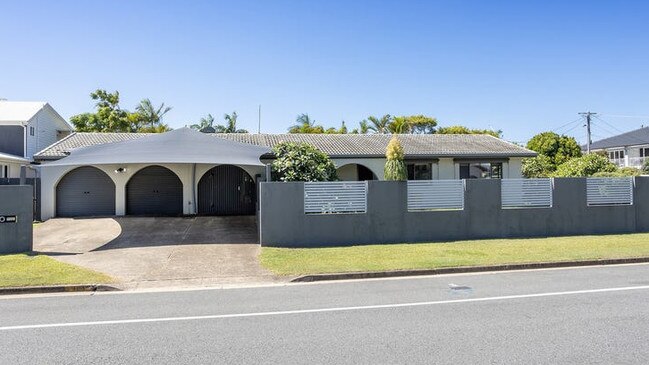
column 395, row 168
column 586, row 165
column 302, row 162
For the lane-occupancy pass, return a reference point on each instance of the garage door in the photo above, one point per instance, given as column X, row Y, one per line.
column 154, row 190
column 226, row 190
column 85, row 191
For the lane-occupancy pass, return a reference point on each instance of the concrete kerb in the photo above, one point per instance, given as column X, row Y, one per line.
column 57, row 289
column 466, row 269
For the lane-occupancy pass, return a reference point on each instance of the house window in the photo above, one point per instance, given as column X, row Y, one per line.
column 616, row 155
column 31, row 131
column 4, row 171
column 420, row 171
column 644, row 152
column 483, row 170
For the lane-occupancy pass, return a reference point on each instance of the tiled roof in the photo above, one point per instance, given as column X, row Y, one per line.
column 335, row 145
column 633, row 138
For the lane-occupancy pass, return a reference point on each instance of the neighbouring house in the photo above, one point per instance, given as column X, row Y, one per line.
column 25, row 128
column 10, row 165
column 188, row 172
column 630, row 149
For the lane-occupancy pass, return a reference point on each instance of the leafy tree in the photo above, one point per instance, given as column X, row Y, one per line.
column 645, row 167
column 458, row 129
column 418, row 124
column 230, row 124
column 586, row 165
column 539, row 166
column 558, row 148
column 304, row 124
column 395, row 167
column 301, row 162
column 110, row 117
column 379, row 125
column 205, row 122
column 150, row 117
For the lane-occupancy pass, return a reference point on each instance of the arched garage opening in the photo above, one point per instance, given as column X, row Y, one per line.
column 355, row 172
column 85, row 191
column 154, row 190
column 226, row 190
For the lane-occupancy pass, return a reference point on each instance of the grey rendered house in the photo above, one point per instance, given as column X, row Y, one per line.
column 88, row 174
column 25, row 128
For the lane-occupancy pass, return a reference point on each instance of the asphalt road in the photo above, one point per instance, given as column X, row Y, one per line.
column 585, row 315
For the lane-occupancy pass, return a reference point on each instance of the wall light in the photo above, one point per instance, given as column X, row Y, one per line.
column 120, row 170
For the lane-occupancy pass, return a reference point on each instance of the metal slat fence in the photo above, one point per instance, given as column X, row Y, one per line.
column 526, row 193
column 609, row 191
column 426, row 195
column 336, row 197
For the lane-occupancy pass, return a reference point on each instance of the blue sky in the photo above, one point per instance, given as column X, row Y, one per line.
column 519, row 66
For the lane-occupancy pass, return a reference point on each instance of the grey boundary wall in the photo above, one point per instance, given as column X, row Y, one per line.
column 36, row 186
column 282, row 221
column 16, row 200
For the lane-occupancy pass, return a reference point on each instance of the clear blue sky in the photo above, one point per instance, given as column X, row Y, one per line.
column 519, row 66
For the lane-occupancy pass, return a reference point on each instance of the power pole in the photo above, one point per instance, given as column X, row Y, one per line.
column 588, row 139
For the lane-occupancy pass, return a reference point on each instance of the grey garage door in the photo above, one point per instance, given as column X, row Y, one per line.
column 226, row 190
column 85, row 191
column 154, row 190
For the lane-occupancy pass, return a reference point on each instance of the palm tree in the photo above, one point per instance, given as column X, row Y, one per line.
column 230, row 124
column 399, row 125
column 304, row 124
column 205, row 122
column 380, row 125
column 151, row 115
column 364, row 127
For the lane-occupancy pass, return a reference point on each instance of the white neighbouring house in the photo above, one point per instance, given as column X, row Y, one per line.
column 27, row 127
column 630, row 149
column 188, row 172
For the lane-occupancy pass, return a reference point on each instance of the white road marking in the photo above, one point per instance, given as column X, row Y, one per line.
column 318, row 310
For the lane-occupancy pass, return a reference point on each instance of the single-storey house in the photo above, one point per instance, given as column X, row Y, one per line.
column 630, row 149
column 188, row 172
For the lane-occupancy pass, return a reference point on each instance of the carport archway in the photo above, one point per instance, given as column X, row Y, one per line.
column 355, row 172
column 156, row 191
column 85, row 191
column 226, row 190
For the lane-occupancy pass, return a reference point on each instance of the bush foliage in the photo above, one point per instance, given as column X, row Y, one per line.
column 302, row 162
column 587, row 165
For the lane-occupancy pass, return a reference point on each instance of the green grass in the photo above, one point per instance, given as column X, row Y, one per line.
column 287, row 261
column 26, row 270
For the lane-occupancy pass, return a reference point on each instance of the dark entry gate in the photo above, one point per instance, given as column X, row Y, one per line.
column 226, row 190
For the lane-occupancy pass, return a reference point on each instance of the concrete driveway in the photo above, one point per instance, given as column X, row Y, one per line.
column 149, row 252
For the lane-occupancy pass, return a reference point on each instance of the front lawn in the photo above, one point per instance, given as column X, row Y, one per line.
column 26, row 270
column 291, row 261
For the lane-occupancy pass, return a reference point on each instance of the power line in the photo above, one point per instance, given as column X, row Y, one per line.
column 627, row 116
column 556, row 130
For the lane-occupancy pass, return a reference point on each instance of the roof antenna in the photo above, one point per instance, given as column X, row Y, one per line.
column 259, row 125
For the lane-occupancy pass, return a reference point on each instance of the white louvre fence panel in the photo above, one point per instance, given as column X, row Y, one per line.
column 609, row 191
column 336, row 197
column 526, row 193
column 435, row 195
